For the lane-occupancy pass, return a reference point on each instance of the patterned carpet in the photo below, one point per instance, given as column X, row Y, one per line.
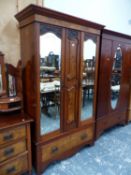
column 111, row 155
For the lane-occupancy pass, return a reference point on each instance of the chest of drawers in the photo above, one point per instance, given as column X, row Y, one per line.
column 15, row 145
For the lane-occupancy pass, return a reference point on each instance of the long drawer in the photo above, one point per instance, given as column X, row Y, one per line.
column 12, row 134
column 12, row 150
column 15, row 167
column 66, row 143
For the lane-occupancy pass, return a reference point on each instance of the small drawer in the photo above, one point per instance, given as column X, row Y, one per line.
column 15, row 167
column 12, row 150
column 12, row 134
column 52, row 150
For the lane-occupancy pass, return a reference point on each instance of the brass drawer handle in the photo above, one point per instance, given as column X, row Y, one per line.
column 54, row 149
column 8, row 137
column 11, row 170
column 84, row 136
column 9, row 151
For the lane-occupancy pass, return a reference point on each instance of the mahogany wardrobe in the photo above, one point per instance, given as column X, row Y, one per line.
column 60, row 69
column 114, row 80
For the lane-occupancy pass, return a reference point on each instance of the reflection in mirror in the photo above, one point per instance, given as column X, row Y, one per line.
column 11, row 86
column 88, row 79
column 116, row 77
column 50, row 69
column 1, row 84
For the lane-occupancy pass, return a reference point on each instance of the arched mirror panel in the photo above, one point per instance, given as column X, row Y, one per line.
column 50, row 81
column 88, row 76
column 116, row 77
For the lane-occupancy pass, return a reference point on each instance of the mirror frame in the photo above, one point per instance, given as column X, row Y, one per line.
column 3, row 93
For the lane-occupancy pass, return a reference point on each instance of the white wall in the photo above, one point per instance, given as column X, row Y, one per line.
column 115, row 14
column 112, row 13
column 9, row 30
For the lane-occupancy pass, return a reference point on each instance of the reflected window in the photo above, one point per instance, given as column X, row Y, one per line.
column 87, row 91
column 89, row 49
column 50, row 70
column 116, row 77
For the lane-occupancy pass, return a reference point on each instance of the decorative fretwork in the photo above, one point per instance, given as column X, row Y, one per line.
column 44, row 28
column 90, row 36
column 72, row 34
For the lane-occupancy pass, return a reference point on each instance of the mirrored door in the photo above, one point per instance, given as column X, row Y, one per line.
column 88, row 76
column 50, row 77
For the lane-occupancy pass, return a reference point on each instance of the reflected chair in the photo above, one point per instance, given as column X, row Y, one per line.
column 88, row 79
column 51, row 99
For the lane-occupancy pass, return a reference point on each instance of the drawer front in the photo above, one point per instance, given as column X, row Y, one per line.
column 12, row 134
column 3, row 106
column 15, row 167
column 53, row 149
column 12, row 150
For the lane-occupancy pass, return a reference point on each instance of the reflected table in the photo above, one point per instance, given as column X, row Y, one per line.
column 49, row 92
column 87, row 86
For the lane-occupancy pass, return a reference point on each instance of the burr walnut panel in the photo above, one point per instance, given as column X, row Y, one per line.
column 70, row 105
column 15, row 167
column 12, row 134
column 12, row 150
column 52, row 150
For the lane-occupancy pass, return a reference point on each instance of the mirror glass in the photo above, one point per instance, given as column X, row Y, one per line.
column 50, row 70
column 116, row 77
column 88, row 76
column 1, row 84
column 11, row 86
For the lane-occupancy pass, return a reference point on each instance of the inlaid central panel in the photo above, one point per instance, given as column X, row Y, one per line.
column 71, row 77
